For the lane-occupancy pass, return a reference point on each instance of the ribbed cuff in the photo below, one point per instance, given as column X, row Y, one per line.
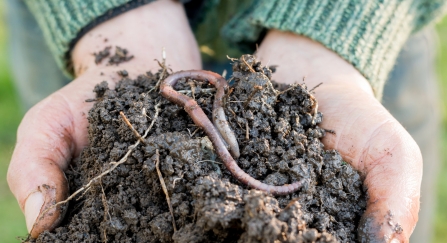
column 368, row 34
column 65, row 22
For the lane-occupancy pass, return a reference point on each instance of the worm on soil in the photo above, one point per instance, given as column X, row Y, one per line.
column 201, row 120
column 219, row 118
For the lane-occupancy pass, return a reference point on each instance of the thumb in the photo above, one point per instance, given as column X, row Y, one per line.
column 35, row 174
column 40, row 209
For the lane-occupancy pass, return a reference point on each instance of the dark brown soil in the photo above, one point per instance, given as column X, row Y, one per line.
column 120, row 56
column 102, row 55
column 128, row 205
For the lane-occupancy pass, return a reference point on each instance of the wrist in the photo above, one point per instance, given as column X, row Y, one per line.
column 144, row 32
column 299, row 57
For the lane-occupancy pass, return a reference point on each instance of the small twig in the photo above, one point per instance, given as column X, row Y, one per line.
column 206, row 91
column 231, row 58
column 314, row 107
column 132, row 128
column 86, row 190
column 163, row 72
column 249, row 66
column 226, row 97
column 232, row 112
column 256, row 89
column 316, row 86
column 224, row 73
column 207, row 160
column 106, row 211
column 247, row 131
column 193, row 89
column 194, row 132
column 178, row 178
column 143, row 112
column 329, row 131
column 288, row 89
column 163, row 186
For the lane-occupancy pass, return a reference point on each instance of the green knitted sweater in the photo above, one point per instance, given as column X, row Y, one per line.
column 367, row 33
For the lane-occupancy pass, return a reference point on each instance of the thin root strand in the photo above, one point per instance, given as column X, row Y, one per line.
column 163, row 186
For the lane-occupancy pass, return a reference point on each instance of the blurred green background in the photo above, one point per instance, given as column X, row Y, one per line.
column 12, row 223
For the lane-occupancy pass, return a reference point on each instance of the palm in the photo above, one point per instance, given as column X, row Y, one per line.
column 375, row 144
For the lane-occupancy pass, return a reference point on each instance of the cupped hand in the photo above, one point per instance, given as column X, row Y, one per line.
column 366, row 134
column 55, row 130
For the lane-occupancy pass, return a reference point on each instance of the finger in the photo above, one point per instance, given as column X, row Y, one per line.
column 44, row 147
column 393, row 178
column 374, row 143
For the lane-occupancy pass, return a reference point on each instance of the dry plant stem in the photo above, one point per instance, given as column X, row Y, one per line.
column 288, row 89
column 315, row 107
column 205, row 91
column 219, row 118
column 106, row 211
column 113, row 167
column 193, row 88
column 163, row 73
column 208, row 160
column 201, row 120
column 131, row 127
column 316, row 86
column 163, row 186
column 249, row 66
column 247, row 131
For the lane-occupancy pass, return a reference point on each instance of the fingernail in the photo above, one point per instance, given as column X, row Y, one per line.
column 395, row 241
column 33, row 206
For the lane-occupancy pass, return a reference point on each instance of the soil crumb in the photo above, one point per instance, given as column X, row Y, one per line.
column 102, row 54
column 121, row 55
column 123, row 73
column 279, row 140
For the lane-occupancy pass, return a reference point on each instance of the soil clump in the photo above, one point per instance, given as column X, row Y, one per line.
column 279, row 140
column 121, row 55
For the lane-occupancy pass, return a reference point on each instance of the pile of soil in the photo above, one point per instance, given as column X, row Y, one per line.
column 279, row 140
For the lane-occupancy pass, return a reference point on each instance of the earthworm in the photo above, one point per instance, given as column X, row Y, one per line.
column 219, row 118
column 201, row 120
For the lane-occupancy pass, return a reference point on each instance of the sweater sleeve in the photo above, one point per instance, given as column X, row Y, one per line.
column 367, row 33
column 64, row 22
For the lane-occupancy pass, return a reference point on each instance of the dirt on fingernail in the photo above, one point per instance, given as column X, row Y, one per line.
column 279, row 138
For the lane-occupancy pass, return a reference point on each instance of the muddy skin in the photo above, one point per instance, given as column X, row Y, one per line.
column 278, row 145
column 370, row 232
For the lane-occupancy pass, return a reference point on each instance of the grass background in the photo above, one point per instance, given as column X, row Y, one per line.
column 441, row 211
column 12, row 223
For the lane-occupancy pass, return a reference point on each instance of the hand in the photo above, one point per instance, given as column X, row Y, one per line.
column 55, row 130
column 367, row 136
